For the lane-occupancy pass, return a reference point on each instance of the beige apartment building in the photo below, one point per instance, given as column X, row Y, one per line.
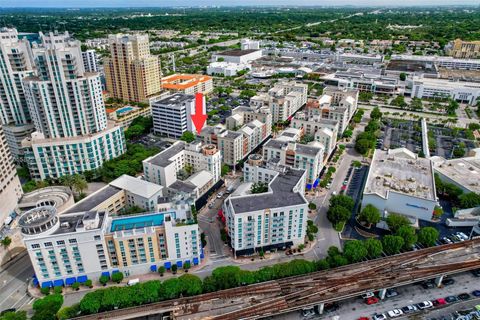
column 464, row 49
column 131, row 72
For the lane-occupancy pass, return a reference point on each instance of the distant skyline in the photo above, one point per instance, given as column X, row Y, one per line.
column 173, row 3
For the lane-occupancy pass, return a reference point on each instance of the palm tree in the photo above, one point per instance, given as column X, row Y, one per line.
column 79, row 183
column 6, row 242
column 67, row 181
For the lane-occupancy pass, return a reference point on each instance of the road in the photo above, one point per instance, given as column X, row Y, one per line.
column 354, row 308
column 13, row 284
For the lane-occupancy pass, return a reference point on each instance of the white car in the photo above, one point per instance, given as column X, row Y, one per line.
column 462, row 235
column 395, row 313
column 367, row 295
column 425, row 305
column 219, row 195
column 409, row 309
column 380, row 316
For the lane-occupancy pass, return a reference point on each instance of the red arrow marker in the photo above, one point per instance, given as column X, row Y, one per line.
column 199, row 117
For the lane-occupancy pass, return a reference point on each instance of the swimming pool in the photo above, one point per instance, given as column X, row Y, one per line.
column 140, row 221
column 124, row 110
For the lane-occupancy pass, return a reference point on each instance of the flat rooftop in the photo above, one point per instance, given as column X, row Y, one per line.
column 92, row 201
column 136, row 186
column 70, row 223
column 237, row 52
column 402, row 171
column 299, row 148
column 174, row 99
column 463, row 171
column 281, row 194
column 162, row 159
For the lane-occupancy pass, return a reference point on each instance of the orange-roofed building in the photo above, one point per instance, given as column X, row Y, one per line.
column 188, row 83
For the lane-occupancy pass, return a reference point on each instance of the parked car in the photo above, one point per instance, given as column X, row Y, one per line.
column 210, row 205
column 476, row 272
column 219, row 195
column 451, row 299
column 308, row 313
column 395, row 313
column 409, row 309
column 367, row 295
column 439, row 302
column 363, row 318
column 462, row 235
column 448, row 281
column 391, row 293
column 464, row 296
column 428, row 284
column 379, row 316
column 476, row 293
column 371, row 300
column 331, row 307
column 424, row 305
column 446, row 240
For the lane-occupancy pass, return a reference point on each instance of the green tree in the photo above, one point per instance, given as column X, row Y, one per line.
column 343, row 201
column 374, row 247
column 362, row 146
column 395, row 221
column 88, row 283
column 408, row 235
column 337, row 214
column 312, row 206
column 469, row 200
column 104, row 279
column 392, row 244
column 370, row 214
column 355, row 251
column 67, row 181
column 428, row 236
column 76, row 285
column 161, row 270
column 6, row 242
column 46, row 308
column 190, row 285
column 186, row 266
column 259, row 187
column 376, row 114
column 117, row 277
column 19, row 315
column 188, row 136
column 174, row 269
column 225, row 169
column 79, row 183
column 403, row 76
column 69, row 312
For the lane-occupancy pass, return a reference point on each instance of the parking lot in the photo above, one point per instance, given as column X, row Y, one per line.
column 447, row 139
column 400, row 133
column 419, row 300
column 220, row 108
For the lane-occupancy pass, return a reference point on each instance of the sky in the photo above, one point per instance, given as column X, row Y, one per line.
column 163, row 3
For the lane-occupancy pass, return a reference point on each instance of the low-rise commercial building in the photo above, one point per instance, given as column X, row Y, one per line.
column 227, row 69
column 238, row 56
column 441, row 61
column 464, row 49
column 371, row 81
column 188, row 83
column 461, row 91
column 272, row 220
column 401, row 182
column 296, row 155
column 78, row 246
column 124, row 116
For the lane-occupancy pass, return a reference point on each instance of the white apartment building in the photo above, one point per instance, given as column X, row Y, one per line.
column 276, row 219
column 324, row 131
column 292, row 154
column 68, row 112
column 10, row 187
column 242, row 115
column 461, row 91
column 237, row 56
column 16, row 63
column 227, row 69
column 172, row 115
column 90, row 60
column 401, row 182
column 284, row 99
column 204, row 161
column 248, row 44
column 78, row 246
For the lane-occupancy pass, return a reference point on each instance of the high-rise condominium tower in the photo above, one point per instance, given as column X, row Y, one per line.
column 16, row 63
column 131, row 72
column 66, row 105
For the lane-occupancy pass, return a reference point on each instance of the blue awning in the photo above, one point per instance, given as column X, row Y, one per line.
column 70, row 281
column 195, row 261
column 58, row 283
column 168, row 265
column 115, row 271
column 317, row 181
column 202, row 255
column 106, row 273
column 309, row 186
column 35, row 282
column 47, row 284
column 82, row 279
column 153, row 267
column 187, row 261
column 179, row 264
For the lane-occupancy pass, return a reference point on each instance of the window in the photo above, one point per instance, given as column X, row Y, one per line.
column 60, row 242
column 48, row 244
column 71, row 241
column 35, row 246
column 96, row 238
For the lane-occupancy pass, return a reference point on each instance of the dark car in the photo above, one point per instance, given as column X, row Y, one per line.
column 448, row 281
column 331, row 307
column 451, row 299
column 476, row 272
column 464, row 296
column 476, row 293
column 429, row 284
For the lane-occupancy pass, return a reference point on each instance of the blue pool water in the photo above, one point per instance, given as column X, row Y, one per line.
column 124, row 109
column 140, row 221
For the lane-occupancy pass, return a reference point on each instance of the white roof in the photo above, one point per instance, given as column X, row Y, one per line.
column 136, row 186
column 200, row 178
column 325, row 99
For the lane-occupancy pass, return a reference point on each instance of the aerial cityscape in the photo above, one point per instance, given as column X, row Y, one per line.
column 239, row 160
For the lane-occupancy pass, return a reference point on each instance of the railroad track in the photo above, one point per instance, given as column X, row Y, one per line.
column 293, row 293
